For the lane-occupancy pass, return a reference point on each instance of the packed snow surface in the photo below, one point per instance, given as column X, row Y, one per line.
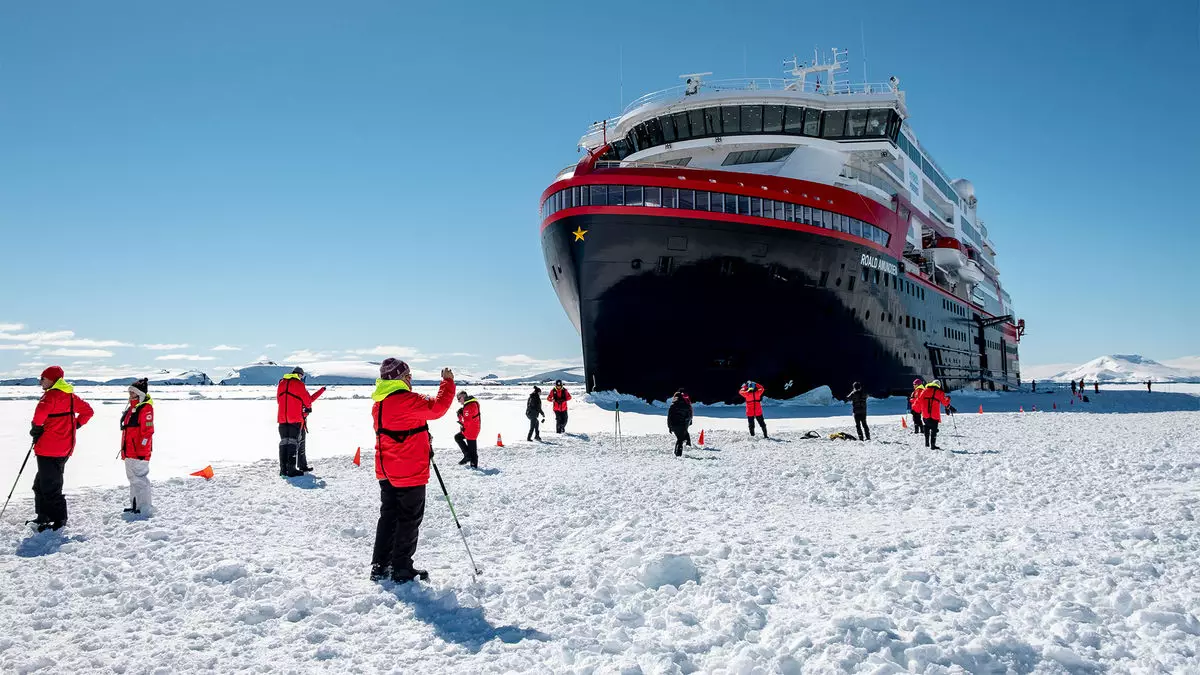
column 1059, row 541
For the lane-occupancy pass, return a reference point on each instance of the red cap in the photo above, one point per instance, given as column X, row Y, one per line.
column 53, row 373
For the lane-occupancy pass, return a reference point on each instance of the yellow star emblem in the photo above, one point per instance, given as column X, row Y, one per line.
column 579, row 232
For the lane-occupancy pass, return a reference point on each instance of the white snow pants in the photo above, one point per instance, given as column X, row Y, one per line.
column 138, row 473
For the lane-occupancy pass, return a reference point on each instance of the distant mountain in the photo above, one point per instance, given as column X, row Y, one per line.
column 157, row 378
column 570, row 375
column 1126, row 368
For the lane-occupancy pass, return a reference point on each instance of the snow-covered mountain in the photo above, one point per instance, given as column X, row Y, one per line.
column 1126, row 368
column 160, row 377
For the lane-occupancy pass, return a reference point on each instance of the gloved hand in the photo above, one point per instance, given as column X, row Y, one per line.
column 78, row 424
column 952, row 409
column 305, row 411
column 431, row 452
column 36, row 432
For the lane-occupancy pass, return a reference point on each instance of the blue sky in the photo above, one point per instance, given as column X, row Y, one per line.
column 332, row 177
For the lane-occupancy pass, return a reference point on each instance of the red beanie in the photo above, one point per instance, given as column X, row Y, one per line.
column 53, row 373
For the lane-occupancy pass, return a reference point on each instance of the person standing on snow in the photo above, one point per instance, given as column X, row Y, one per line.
column 59, row 414
column 1096, row 384
column 1147, row 385
column 137, row 442
column 753, row 393
column 858, row 405
column 295, row 403
column 932, row 400
column 559, row 397
column 1072, row 387
column 679, row 418
column 468, row 430
column 913, row 398
column 533, row 410
column 403, row 451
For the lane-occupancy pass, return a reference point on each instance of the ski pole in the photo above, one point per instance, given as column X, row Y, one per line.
column 19, row 472
column 475, row 569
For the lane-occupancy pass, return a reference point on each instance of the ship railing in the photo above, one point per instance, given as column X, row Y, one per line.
column 748, row 85
column 565, row 172
column 872, row 178
column 615, row 164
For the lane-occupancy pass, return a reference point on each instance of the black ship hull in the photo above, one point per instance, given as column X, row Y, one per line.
column 664, row 302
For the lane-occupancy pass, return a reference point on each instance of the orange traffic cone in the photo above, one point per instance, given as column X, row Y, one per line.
column 499, row 443
column 358, row 457
column 700, row 441
column 903, row 422
column 206, row 473
column 980, row 408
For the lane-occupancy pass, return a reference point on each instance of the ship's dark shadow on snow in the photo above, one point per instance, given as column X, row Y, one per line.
column 44, row 543
column 466, row 626
column 307, row 482
column 1115, row 402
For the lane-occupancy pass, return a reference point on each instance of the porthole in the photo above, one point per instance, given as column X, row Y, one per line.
column 636, row 264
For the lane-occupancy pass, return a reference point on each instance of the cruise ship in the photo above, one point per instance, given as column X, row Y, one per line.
column 793, row 232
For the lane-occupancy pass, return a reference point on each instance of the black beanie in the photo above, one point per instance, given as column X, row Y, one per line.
column 142, row 385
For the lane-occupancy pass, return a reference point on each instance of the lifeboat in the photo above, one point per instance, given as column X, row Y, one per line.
column 971, row 272
column 947, row 253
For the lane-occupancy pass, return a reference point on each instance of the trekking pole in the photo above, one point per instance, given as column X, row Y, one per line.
column 474, row 567
column 19, row 472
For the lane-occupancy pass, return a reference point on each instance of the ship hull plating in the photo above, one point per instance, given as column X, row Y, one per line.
column 662, row 303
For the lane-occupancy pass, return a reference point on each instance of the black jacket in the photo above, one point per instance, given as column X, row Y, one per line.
column 533, row 409
column 679, row 415
column 858, row 401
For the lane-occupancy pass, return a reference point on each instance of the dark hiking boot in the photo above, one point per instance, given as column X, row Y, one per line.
column 464, row 460
column 56, row 526
column 306, row 469
column 292, row 473
column 679, row 452
column 131, row 510
column 406, row 576
column 380, row 572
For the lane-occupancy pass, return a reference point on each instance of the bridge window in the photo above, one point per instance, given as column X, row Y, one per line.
column 793, row 121
column 670, row 198
column 653, row 196
column 756, row 208
column 772, row 119
column 696, row 118
column 682, row 132
column 701, row 200
column 712, row 121
column 834, row 124
column 743, row 205
column 616, row 195
column 856, row 123
column 633, row 195
column 686, row 199
column 731, row 119
column 812, row 122
column 752, row 119
column 668, row 129
column 877, row 122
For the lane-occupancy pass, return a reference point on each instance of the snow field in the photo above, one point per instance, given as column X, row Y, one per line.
column 1043, row 543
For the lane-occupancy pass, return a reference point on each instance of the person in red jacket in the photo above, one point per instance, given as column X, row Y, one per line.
column 914, row 405
column 295, row 403
column 58, row 415
column 468, row 429
column 137, row 442
column 403, row 450
column 559, row 397
column 931, row 401
column 753, row 393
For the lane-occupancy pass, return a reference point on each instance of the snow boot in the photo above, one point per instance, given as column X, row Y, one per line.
column 464, row 460
column 381, row 572
column 406, row 576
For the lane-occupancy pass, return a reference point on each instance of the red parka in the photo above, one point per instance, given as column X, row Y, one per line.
column 754, row 399
column 402, row 442
column 559, row 397
column 914, row 399
column 932, row 399
column 137, row 431
column 468, row 419
column 293, row 397
column 60, row 412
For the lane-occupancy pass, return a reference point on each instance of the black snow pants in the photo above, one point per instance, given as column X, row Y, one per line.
column 48, row 498
column 535, row 430
column 401, row 511
column 931, row 429
column 761, row 422
column 917, row 428
column 860, row 425
column 292, row 456
column 470, row 449
column 681, row 436
column 560, row 421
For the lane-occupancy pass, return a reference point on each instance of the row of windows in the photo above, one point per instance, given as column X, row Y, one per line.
column 955, row 334
column 734, row 120
column 756, row 156
column 914, row 322
column 914, row 290
column 717, row 202
column 954, row 307
column 914, row 153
